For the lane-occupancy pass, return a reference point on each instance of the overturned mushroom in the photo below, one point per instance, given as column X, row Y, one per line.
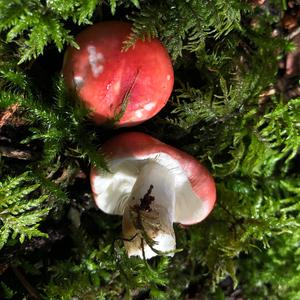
column 152, row 185
column 127, row 87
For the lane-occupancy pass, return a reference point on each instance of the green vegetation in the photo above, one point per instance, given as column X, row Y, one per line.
column 223, row 63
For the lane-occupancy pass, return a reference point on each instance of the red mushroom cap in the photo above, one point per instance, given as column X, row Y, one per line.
column 105, row 76
column 141, row 147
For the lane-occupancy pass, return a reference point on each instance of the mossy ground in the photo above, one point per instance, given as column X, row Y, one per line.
column 233, row 107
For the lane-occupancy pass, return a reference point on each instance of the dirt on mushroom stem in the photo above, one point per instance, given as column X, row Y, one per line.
column 148, row 217
column 146, row 201
column 141, row 214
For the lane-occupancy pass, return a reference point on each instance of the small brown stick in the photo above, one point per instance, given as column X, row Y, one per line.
column 6, row 115
column 293, row 34
column 30, row 289
column 15, row 153
column 64, row 176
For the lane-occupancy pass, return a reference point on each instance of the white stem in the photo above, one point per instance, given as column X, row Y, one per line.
column 155, row 218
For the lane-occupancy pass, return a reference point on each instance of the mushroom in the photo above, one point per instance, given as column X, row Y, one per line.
column 127, row 87
column 153, row 185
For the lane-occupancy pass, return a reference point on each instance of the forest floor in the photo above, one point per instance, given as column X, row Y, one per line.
column 75, row 176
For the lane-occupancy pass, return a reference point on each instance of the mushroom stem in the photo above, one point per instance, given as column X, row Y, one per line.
column 148, row 216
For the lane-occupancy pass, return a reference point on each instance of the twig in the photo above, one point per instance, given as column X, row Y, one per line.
column 127, row 240
column 293, row 34
column 15, row 153
column 30, row 289
column 8, row 114
column 64, row 176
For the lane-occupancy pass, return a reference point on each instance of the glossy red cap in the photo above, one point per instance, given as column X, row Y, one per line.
column 104, row 76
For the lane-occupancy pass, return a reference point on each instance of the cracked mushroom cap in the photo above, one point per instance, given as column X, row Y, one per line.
column 109, row 80
column 195, row 190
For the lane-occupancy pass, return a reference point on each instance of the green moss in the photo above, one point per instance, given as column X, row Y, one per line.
column 222, row 65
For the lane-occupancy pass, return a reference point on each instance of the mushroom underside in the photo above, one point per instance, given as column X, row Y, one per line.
column 112, row 189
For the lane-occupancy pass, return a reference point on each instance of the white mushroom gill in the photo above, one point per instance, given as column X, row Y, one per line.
column 149, row 213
